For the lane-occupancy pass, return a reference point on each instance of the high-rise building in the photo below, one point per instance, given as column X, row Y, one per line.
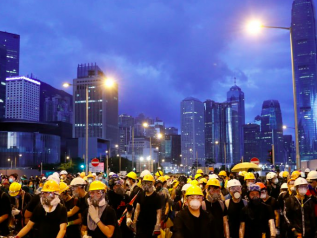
column 289, row 149
column 192, row 132
column 126, row 124
column 23, row 98
column 305, row 65
column 251, row 141
column 171, row 131
column 9, row 63
column 272, row 131
column 103, row 105
column 173, row 149
column 235, row 97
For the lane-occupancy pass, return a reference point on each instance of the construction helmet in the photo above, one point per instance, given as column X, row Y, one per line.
column 312, row 175
column 222, row 173
column 14, row 189
column 199, row 171
column 167, row 177
column 149, row 178
column 186, row 186
column 300, row 181
column 281, row 174
column 198, row 176
column 284, row 186
column 85, row 178
column 82, row 174
column 194, row 190
column 270, row 175
column 203, row 180
column 132, row 175
column 285, row 174
column 211, row 176
column 213, row 182
column 295, row 174
column 97, row 185
column 77, row 182
column 159, row 173
column 242, row 173
column 63, row 187
column 254, row 187
column 144, row 172
column 161, row 179
column 194, row 182
column 307, row 170
column 50, row 186
column 249, row 176
column 90, row 176
column 63, row 172
column 189, row 180
column 262, row 185
column 233, row 183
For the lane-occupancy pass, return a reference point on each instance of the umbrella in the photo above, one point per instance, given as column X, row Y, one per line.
column 245, row 166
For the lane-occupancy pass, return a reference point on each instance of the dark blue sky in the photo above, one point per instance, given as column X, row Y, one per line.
column 159, row 51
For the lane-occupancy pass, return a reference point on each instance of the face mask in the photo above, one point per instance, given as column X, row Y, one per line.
column 11, row 180
column 302, row 191
column 292, row 188
column 201, row 186
column 249, row 183
column 148, row 188
column 236, row 195
column 194, row 204
column 100, row 178
column 275, row 181
column 215, row 197
column 47, row 200
column 158, row 188
column 119, row 191
column 256, row 201
column 89, row 180
column 263, row 195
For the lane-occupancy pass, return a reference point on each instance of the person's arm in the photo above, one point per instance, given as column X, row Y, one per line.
column 26, row 229
column 167, row 208
column 106, row 230
column 277, row 218
column 73, row 211
column 27, row 216
column 226, row 227
column 62, row 230
column 272, row 228
column 4, row 217
column 75, row 222
column 241, row 230
column 136, row 213
column 83, row 230
column 158, row 216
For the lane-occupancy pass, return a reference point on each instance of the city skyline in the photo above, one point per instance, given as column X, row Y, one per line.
column 231, row 53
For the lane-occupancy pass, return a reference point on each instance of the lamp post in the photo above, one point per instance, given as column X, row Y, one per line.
column 107, row 83
column 255, row 27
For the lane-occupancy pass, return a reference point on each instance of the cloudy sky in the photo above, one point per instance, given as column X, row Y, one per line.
column 160, row 51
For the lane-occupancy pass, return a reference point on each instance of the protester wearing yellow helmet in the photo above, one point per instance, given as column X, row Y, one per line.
column 159, row 174
column 51, row 216
column 192, row 219
column 295, row 174
column 249, row 178
column 200, row 171
column 99, row 220
column 132, row 184
column 161, row 189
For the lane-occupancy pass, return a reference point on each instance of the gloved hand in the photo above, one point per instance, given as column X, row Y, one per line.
column 15, row 212
column 277, row 231
column 70, row 223
column 157, row 230
column 129, row 222
column 93, row 213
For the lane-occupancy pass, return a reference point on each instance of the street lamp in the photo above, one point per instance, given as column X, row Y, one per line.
column 109, row 83
column 255, row 27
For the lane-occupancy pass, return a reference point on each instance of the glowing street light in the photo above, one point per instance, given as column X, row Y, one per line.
column 141, row 158
column 254, row 27
column 109, row 83
column 159, row 136
column 66, row 85
column 145, row 124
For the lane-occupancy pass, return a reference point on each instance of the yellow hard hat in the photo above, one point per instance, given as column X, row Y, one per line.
column 159, row 173
column 194, row 190
column 203, row 180
column 198, row 176
column 82, row 174
column 90, row 176
column 167, row 177
column 85, row 178
column 149, row 178
column 14, row 189
column 199, row 171
column 249, row 176
column 295, row 174
column 194, row 182
column 97, row 185
column 63, row 187
column 189, row 180
column 285, row 174
column 161, row 179
column 222, row 173
column 242, row 173
column 132, row 175
column 50, row 186
column 213, row 182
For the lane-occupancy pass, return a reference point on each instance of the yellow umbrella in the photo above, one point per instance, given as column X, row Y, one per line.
column 245, row 166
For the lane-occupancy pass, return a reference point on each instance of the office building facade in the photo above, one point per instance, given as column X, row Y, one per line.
column 251, row 141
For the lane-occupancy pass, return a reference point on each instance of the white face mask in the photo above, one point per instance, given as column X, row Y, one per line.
column 236, row 195
column 302, row 191
column 263, row 196
column 275, row 181
column 195, row 204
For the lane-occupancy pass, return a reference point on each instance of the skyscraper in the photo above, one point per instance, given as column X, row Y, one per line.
column 103, row 104
column 173, row 149
column 235, row 97
column 23, row 98
column 10, row 46
column 192, row 132
column 272, row 131
column 251, row 141
column 305, row 64
column 126, row 123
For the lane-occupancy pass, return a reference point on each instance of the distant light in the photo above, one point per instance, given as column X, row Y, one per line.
column 141, row 158
column 24, row 78
column 109, row 83
column 284, row 127
column 82, row 166
column 66, row 85
column 254, row 27
column 159, row 136
column 145, row 124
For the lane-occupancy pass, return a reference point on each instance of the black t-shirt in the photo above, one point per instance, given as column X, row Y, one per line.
column 234, row 211
column 218, row 211
column 33, row 203
column 197, row 221
column 5, row 208
column 272, row 203
column 256, row 219
column 49, row 222
column 148, row 207
column 107, row 218
column 73, row 230
column 118, row 202
column 83, row 203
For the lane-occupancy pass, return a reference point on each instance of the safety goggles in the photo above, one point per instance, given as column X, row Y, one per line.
column 96, row 192
column 47, row 194
column 235, row 189
column 214, row 188
column 147, row 183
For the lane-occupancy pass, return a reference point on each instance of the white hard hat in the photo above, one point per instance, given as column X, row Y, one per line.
column 302, row 174
column 186, row 186
column 111, row 173
column 54, row 177
column 233, row 183
column 300, row 181
column 307, row 170
column 77, row 181
column 144, row 172
column 213, row 176
column 270, row 175
column 63, row 172
column 284, row 186
column 94, row 174
column 43, row 178
column 281, row 174
column 312, row 175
